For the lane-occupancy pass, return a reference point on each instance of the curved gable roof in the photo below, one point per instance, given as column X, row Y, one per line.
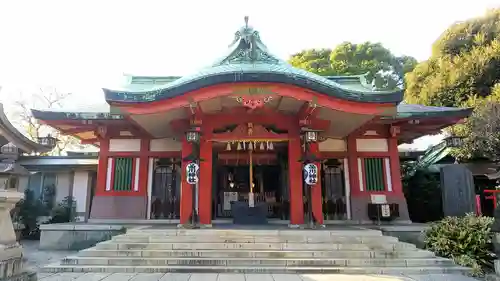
column 249, row 60
column 10, row 133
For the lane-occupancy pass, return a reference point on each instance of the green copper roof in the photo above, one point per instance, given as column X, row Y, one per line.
column 249, row 60
column 421, row 111
column 96, row 112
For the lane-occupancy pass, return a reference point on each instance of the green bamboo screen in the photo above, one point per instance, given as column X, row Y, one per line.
column 123, row 174
column 374, row 174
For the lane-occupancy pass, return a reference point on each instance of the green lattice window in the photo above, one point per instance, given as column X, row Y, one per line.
column 122, row 180
column 374, row 174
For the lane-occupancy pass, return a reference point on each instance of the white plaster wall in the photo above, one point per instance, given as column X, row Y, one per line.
column 63, row 186
column 372, row 145
column 81, row 190
column 136, row 170
column 360, row 175
column 126, row 145
column 109, row 171
column 3, row 182
column 22, row 183
column 333, row 145
column 167, row 144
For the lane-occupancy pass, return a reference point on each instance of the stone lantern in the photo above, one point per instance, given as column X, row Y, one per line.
column 11, row 256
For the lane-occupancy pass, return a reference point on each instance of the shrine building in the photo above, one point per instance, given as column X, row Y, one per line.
column 254, row 114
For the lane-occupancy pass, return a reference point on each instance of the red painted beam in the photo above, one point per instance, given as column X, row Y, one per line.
column 156, row 154
column 84, row 122
column 89, row 141
column 229, row 89
column 77, row 130
column 194, row 110
column 307, row 111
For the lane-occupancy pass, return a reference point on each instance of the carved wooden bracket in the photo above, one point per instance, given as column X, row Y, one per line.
column 102, row 131
column 196, row 122
column 395, row 130
column 253, row 102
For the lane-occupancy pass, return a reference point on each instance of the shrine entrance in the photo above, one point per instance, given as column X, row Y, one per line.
column 251, row 178
column 165, row 190
column 258, row 171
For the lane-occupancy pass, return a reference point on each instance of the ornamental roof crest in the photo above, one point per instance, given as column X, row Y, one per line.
column 247, row 47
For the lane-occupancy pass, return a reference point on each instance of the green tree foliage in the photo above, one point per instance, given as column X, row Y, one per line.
column 467, row 240
column 28, row 211
column 464, row 71
column 481, row 130
column 382, row 67
column 45, row 98
column 64, row 211
column 465, row 63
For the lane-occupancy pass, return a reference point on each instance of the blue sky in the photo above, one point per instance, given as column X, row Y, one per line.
column 81, row 46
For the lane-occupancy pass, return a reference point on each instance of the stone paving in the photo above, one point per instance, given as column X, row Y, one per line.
column 36, row 259
column 238, row 277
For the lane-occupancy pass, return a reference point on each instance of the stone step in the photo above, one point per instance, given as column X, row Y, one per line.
column 284, row 262
column 261, row 269
column 256, row 253
column 257, row 239
column 254, row 232
column 112, row 245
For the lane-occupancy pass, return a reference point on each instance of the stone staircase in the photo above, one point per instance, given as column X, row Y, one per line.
column 347, row 251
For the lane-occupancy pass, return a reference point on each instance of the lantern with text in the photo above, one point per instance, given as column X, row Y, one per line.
column 10, row 149
column 193, row 135
column 48, row 141
column 311, row 174
column 454, row 141
column 310, row 135
column 192, row 173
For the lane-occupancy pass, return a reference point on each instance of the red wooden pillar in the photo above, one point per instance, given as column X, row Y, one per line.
column 295, row 180
column 102, row 166
column 317, row 202
column 205, row 185
column 144, row 170
column 186, row 189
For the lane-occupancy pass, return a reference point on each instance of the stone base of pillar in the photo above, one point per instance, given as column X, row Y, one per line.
column 11, row 253
column 187, row 226
column 11, row 265
column 492, row 277
column 314, row 226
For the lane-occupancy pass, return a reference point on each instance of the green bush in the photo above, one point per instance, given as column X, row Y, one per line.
column 64, row 211
column 467, row 240
column 27, row 212
column 423, row 196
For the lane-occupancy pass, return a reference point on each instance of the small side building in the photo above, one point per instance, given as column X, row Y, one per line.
column 72, row 175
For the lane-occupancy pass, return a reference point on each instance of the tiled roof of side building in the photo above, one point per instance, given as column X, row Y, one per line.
column 405, row 110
